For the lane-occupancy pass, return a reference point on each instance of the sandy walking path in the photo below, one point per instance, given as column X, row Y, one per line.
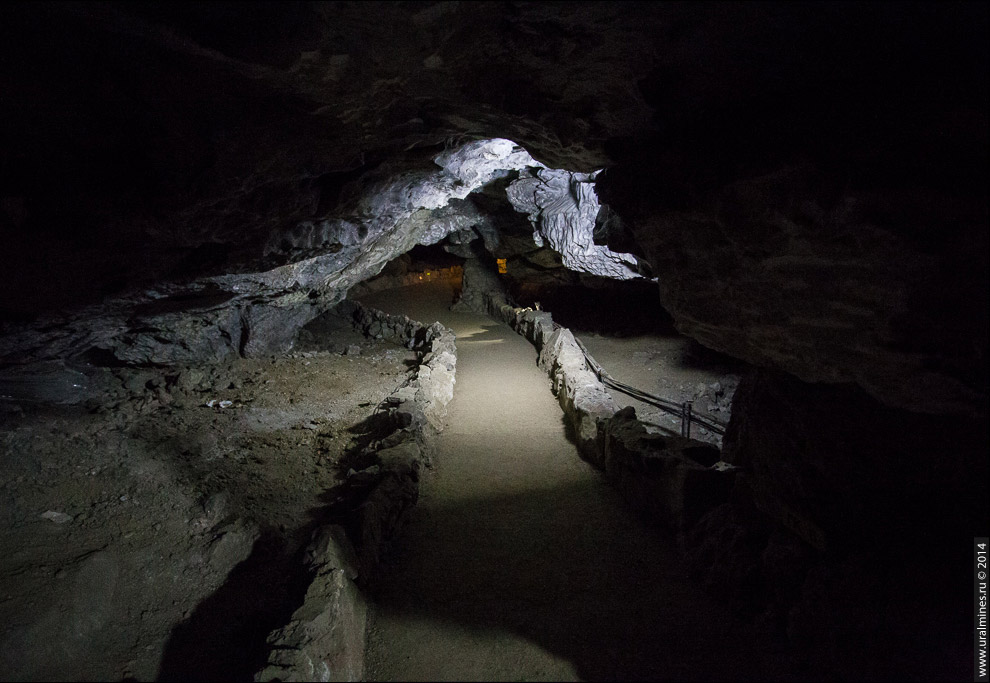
column 519, row 563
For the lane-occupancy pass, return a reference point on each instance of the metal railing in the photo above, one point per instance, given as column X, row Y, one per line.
column 682, row 410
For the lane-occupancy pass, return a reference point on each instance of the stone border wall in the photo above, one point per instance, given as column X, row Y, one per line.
column 325, row 638
column 669, row 479
column 425, row 397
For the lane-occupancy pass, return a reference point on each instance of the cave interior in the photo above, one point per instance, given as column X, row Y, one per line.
column 776, row 212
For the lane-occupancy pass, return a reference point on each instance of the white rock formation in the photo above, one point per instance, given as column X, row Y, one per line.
column 259, row 312
column 390, row 218
column 562, row 207
column 400, row 212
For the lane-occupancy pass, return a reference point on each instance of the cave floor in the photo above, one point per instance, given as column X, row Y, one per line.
column 670, row 366
column 171, row 547
column 520, row 563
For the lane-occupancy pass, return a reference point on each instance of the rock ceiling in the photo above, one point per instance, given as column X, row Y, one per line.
column 806, row 182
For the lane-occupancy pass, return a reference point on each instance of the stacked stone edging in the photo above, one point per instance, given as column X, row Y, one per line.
column 668, row 478
column 425, row 397
column 325, row 639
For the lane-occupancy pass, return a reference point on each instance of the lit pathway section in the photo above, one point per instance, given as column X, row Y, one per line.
column 519, row 563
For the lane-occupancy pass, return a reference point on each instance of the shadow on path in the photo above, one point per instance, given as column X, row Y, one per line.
column 520, row 563
column 610, row 598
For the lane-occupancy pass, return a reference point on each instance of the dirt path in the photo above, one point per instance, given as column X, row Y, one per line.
column 519, row 563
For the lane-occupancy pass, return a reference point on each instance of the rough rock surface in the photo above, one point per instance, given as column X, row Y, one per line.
column 393, row 214
column 824, row 530
column 670, row 479
column 891, row 481
column 260, row 313
column 324, row 641
column 563, row 206
column 779, row 272
column 259, row 148
column 253, row 121
column 825, row 216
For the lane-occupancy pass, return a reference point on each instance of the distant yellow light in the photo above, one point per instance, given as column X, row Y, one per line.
column 502, row 267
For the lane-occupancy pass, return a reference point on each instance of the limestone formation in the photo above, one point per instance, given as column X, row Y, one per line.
column 563, row 207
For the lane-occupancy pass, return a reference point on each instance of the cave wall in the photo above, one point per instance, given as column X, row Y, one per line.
column 854, row 472
column 816, row 199
column 256, row 313
column 824, row 217
column 849, row 527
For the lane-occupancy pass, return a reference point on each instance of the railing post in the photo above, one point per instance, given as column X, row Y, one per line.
column 686, row 419
column 666, row 405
